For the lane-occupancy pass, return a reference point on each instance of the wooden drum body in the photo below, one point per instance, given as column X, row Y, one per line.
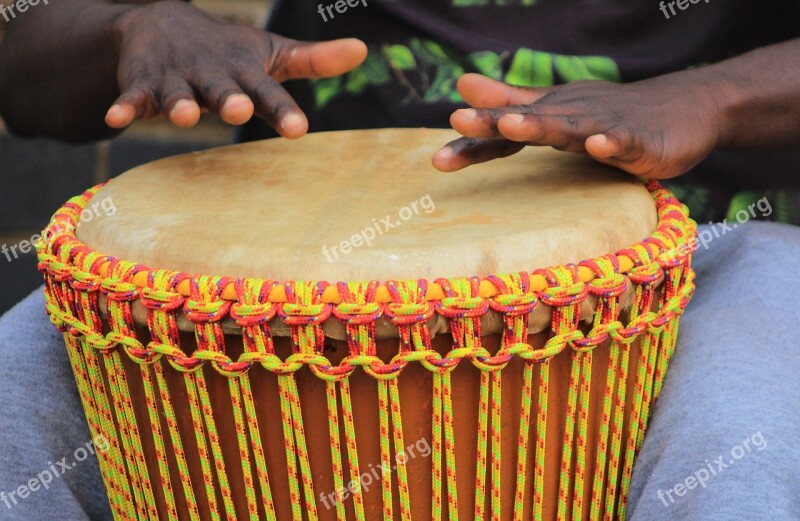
column 467, row 367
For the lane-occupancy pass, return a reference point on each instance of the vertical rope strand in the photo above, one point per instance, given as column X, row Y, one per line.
column 195, row 409
column 119, row 386
column 496, row 433
column 302, row 450
column 158, row 440
column 175, row 439
column 483, row 428
column 583, row 432
column 244, row 446
column 616, row 434
column 634, row 422
column 602, row 443
column 450, row 448
column 352, row 449
column 523, row 440
column 541, row 439
column 291, row 452
column 216, row 450
column 437, row 483
column 569, row 434
column 106, row 415
column 119, row 497
column 386, row 476
column 258, row 449
column 399, row 447
column 336, row 449
column 648, row 388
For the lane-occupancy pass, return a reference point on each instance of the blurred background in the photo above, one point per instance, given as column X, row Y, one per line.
column 38, row 175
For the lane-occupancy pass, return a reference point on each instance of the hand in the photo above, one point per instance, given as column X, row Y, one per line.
column 175, row 59
column 658, row 128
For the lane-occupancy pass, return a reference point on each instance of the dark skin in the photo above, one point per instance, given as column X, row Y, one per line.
column 170, row 59
column 95, row 54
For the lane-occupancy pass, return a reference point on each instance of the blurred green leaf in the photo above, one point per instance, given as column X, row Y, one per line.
column 571, row 68
column 430, row 52
column 575, row 68
column 602, row 68
column 444, row 84
column 400, row 57
column 374, row 68
column 487, row 63
column 531, row 69
column 325, row 89
column 357, row 81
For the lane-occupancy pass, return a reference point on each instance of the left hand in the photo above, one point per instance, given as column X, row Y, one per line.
column 657, row 128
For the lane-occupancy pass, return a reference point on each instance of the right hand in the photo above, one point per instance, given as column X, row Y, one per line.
column 175, row 59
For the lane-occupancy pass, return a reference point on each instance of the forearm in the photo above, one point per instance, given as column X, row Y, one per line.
column 58, row 69
column 758, row 97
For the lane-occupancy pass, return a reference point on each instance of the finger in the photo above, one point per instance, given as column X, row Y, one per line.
column 223, row 95
column 463, row 152
column 274, row 105
column 619, row 147
column 482, row 123
column 134, row 103
column 178, row 103
column 293, row 59
column 482, row 92
column 564, row 132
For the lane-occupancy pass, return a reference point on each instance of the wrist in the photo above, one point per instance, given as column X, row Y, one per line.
column 135, row 18
column 723, row 99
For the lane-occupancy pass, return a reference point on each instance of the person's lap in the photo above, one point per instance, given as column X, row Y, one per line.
column 732, row 391
column 732, row 384
column 41, row 423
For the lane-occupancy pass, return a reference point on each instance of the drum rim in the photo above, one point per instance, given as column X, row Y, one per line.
column 64, row 256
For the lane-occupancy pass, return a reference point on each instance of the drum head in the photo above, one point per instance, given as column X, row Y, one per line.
column 363, row 205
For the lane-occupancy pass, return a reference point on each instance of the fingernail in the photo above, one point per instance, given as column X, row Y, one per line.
column 181, row 104
column 292, row 121
column 600, row 139
column 468, row 113
column 236, row 100
column 514, row 118
column 444, row 154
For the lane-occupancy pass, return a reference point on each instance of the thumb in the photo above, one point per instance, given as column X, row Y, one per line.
column 294, row 59
column 483, row 92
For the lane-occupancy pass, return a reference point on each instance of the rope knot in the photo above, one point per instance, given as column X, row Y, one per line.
column 201, row 312
column 514, row 305
column 561, row 296
column 647, row 274
column 408, row 314
column 358, row 314
column 84, row 281
column 304, row 314
column 608, row 287
column 248, row 315
column 158, row 300
column 119, row 291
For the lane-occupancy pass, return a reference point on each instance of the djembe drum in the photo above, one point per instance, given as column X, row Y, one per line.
column 329, row 329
